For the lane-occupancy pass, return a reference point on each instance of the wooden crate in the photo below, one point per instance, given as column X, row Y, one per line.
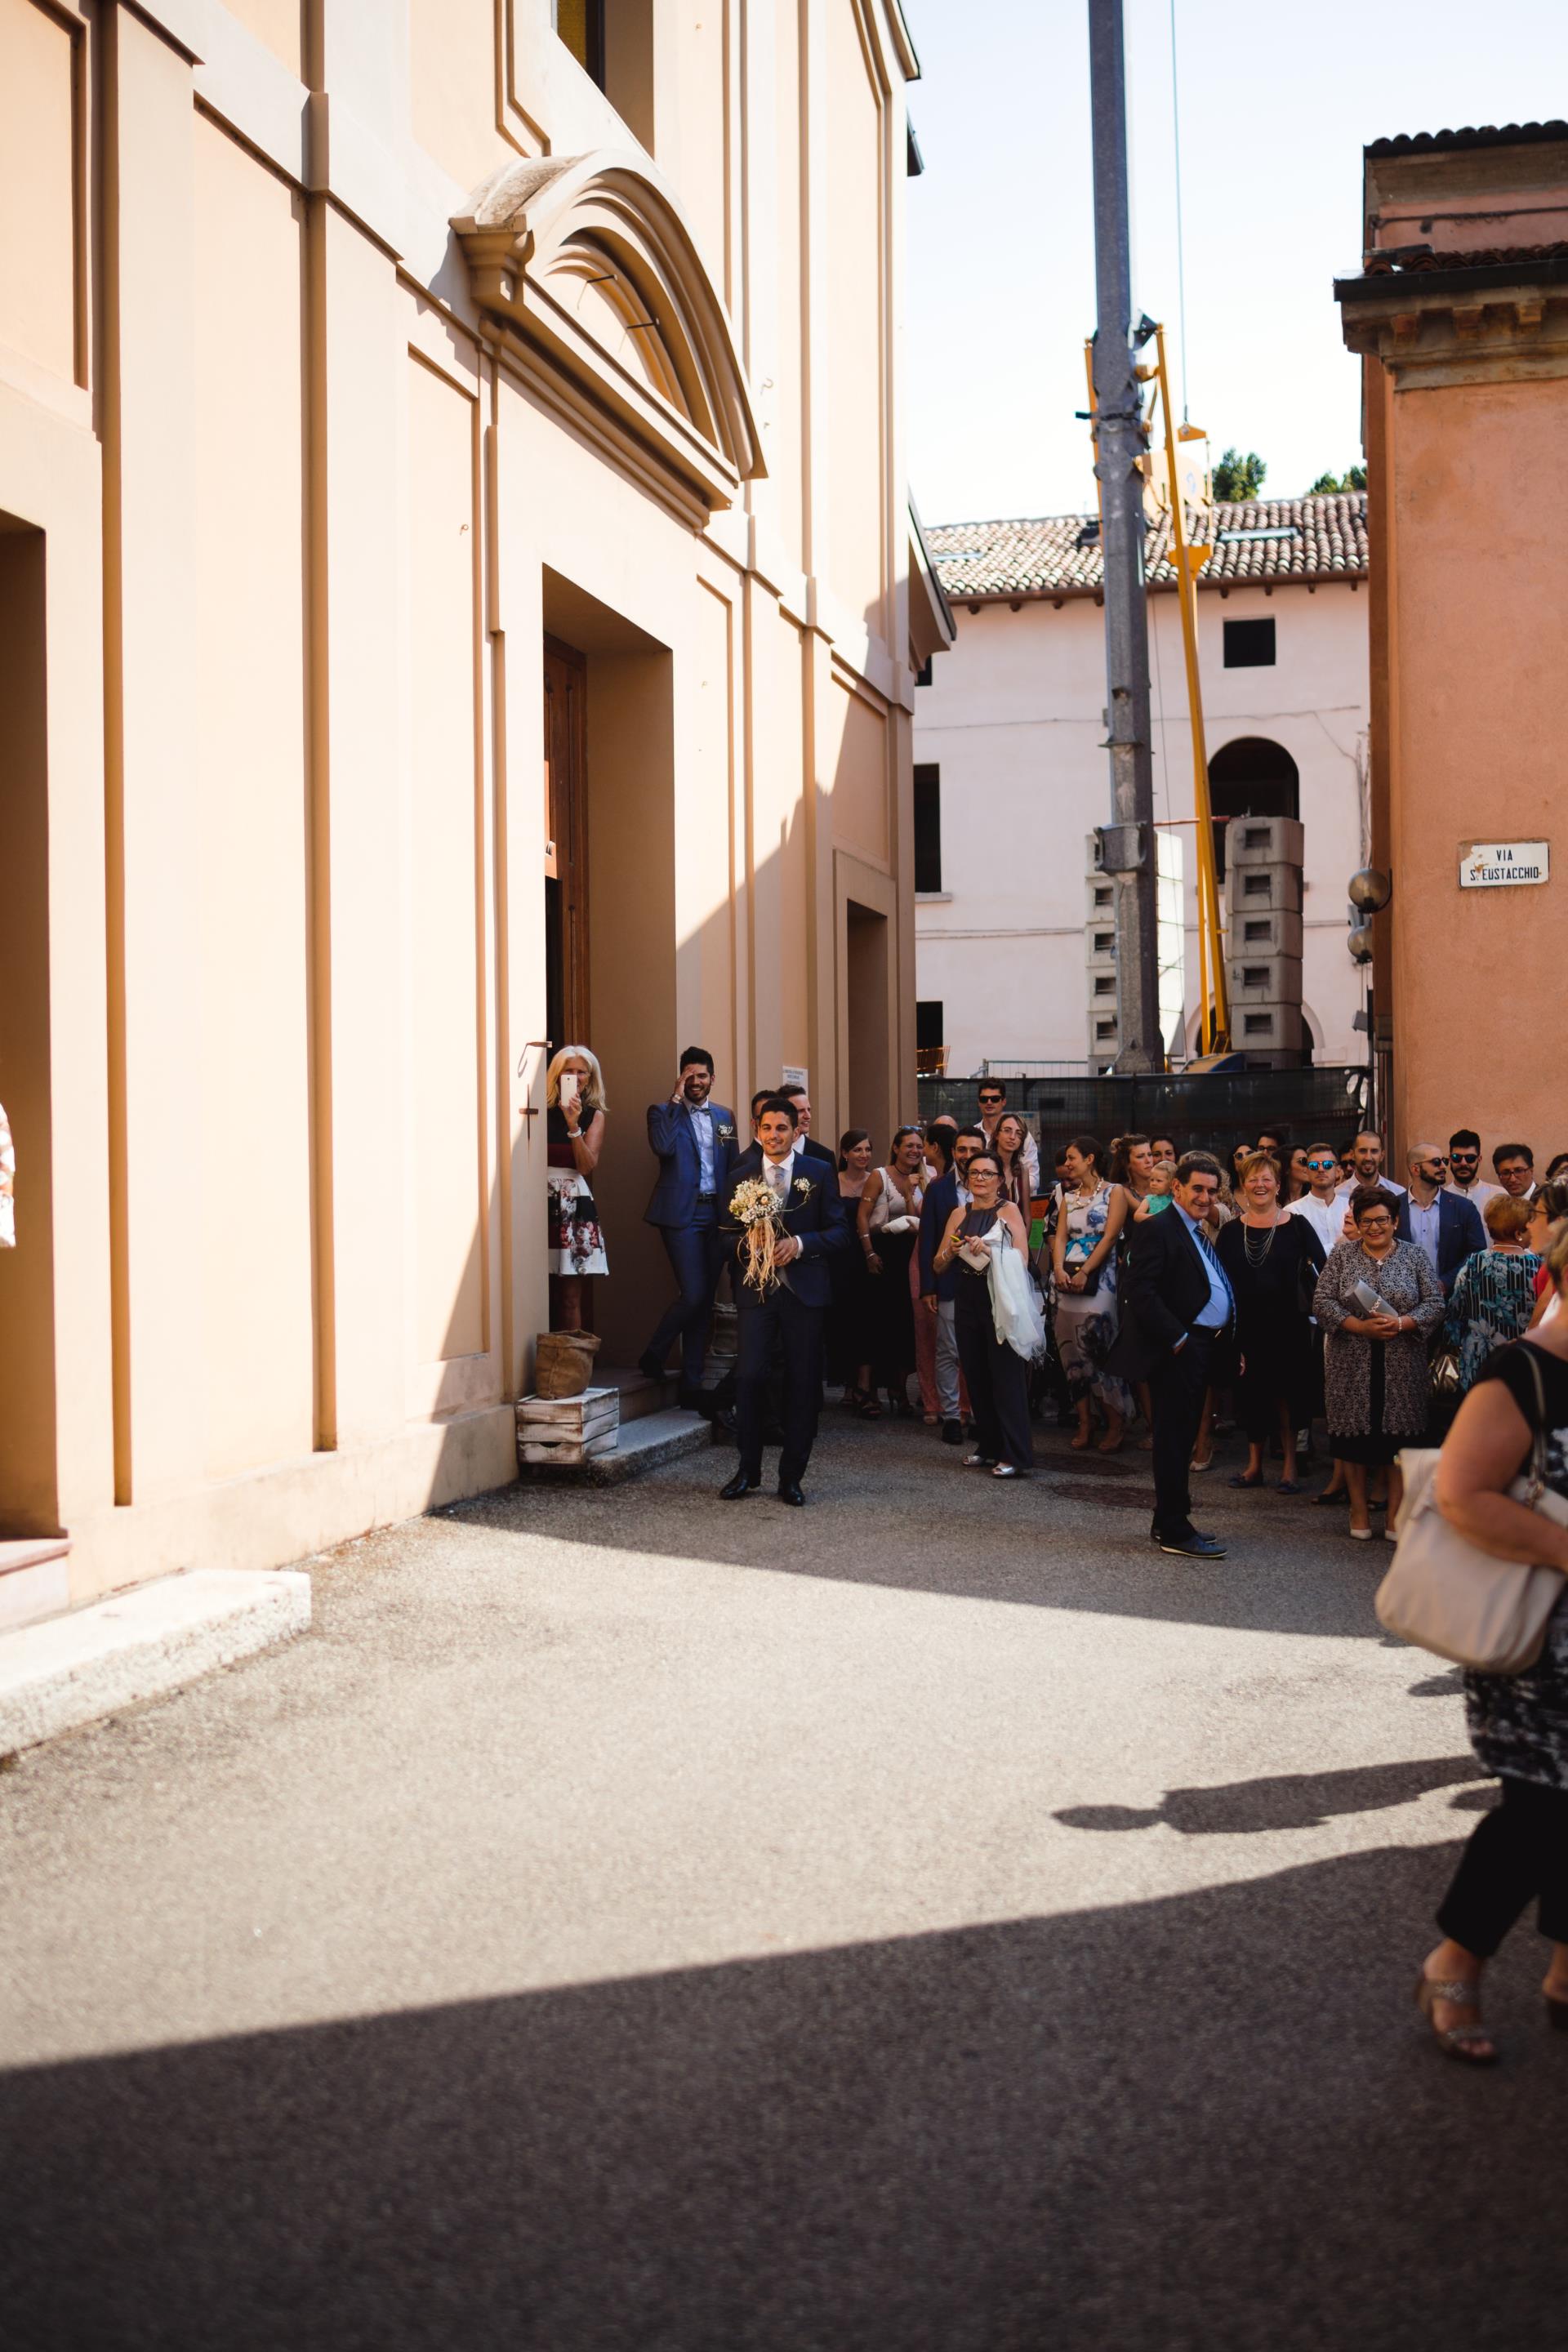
column 563, row 1430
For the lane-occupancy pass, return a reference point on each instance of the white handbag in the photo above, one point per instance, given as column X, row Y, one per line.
column 1445, row 1594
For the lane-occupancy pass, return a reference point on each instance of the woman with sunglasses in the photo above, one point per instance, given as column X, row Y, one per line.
column 1375, row 1361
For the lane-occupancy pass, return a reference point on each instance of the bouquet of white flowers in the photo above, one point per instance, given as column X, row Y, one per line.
column 755, row 1208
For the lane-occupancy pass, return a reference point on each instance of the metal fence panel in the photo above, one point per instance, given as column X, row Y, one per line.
column 1212, row 1112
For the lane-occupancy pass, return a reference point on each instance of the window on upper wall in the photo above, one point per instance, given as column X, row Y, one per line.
column 928, row 1024
column 1249, row 645
column 927, row 826
column 922, row 675
column 580, row 25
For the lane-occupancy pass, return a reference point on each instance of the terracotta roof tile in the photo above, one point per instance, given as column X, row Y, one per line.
column 1324, row 539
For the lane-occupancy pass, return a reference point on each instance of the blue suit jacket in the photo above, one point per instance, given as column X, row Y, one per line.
column 1460, row 1234
column 673, row 1200
column 812, row 1217
column 940, row 1200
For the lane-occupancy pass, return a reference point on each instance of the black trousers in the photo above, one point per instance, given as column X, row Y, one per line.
column 998, row 1383
column 1518, row 1852
column 778, row 1322
column 1177, row 1384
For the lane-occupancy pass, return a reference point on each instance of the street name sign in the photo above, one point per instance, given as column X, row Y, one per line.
column 1501, row 864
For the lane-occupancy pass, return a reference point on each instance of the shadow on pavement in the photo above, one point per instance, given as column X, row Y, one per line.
column 892, row 1506
column 1208, row 2121
column 1288, row 1801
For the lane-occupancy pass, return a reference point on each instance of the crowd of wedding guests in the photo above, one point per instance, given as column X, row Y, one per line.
column 1359, row 1307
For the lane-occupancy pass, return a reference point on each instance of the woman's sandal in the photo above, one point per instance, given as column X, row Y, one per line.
column 1287, row 1486
column 1240, row 1478
column 1457, row 2041
column 868, row 1409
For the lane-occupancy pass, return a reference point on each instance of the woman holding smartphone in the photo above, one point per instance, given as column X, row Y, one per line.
column 574, row 1132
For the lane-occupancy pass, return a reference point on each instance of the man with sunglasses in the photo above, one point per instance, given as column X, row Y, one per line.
column 1465, row 1176
column 1447, row 1229
column 992, row 1097
column 1320, row 1206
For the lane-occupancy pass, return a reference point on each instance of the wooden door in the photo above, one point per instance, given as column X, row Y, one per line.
column 565, row 844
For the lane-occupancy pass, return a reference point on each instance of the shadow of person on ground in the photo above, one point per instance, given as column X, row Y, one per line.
column 1291, row 1800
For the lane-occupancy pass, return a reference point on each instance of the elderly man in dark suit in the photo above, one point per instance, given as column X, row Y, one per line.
column 696, row 1143
column 789, row 1315
column 1176, row 1309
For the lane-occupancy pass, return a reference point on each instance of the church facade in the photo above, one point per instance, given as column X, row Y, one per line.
column 460, row 599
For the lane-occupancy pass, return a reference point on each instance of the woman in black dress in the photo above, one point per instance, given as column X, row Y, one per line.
column 1272, row 1261
column 1518, row 1723
column 849, row 1332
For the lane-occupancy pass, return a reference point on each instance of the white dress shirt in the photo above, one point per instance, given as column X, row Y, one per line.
column 1478, row 1194
column 1326, row 1217
column 1353, row 1184
column 702, row 1131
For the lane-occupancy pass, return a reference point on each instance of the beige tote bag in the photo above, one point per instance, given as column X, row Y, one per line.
column 1445, row 1594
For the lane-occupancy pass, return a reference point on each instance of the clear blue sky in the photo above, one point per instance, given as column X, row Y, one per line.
column 1278, row 100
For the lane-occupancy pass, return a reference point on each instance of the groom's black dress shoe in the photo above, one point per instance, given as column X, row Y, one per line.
column 790, row 1493
column 736, row 1489
column 650, row 1366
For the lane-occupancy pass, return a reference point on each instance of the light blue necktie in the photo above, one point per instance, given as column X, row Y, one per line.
column 1212, row 1255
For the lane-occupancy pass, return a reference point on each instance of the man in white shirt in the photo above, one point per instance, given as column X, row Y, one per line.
column 992, row 1097
column 1366, row 1155
column 1321, row 1207
column 1464, row 1170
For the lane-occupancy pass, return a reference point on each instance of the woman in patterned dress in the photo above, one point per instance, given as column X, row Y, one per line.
column 1518, row 1723
column 1083, row 1264
column 575, row 1135
column 1493, row 1295
column 1376, row 1388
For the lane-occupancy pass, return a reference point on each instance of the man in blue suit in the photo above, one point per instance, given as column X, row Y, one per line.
column 789, row 1317
column 696, row 1143
column 1444, row 1224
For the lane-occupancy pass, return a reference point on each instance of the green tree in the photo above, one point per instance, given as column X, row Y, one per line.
column 1237, row 479
column 1329, row 484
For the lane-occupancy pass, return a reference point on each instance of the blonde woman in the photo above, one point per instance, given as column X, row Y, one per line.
column 575, row 1131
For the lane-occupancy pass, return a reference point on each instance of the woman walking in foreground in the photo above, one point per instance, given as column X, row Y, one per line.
column 1518, row 1723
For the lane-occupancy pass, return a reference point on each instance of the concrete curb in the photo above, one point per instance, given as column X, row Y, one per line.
column 140, row 1644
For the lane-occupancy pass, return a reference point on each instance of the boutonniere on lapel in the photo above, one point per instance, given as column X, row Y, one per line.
column 726, row 1131
column 802, row 1185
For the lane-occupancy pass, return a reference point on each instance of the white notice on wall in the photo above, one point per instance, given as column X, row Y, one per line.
column 791, row 1077
column 1499, row 864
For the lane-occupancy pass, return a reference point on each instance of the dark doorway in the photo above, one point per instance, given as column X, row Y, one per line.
column 565, row 844
column 28, row 1492
column 1252, row 777
column 866, row 976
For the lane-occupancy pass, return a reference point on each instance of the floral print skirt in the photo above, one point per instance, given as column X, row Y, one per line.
column 576, row 1245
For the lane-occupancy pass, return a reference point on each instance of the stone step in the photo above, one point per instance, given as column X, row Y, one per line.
column 35, row 1580
column 652, row 1439
column 141, row 1643
column 639, row 1395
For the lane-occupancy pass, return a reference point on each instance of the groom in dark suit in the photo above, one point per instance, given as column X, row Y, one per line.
column 789, row 1317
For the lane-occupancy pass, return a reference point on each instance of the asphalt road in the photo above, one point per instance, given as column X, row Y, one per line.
column 933, row 1921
